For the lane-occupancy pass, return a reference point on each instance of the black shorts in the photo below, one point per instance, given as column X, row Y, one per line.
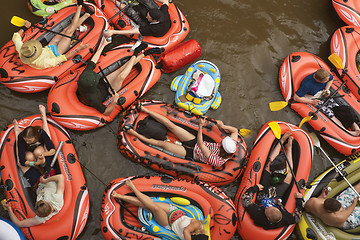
column 32, row 175
column 189, row 147
column 280, row 188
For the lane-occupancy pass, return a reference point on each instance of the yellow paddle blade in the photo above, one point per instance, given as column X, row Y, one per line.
column 336, row 61
column 207, row 226
column 245, row 132
column 305, row 120
column 276, row 106
column 17, row 21
column 275, row 127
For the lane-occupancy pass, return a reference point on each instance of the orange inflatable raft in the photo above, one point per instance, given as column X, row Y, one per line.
column 174, row 165
column 66, row 108
column 71, row 220
column 348, row 11
column 23, row 78
column 178, row 30
column 345, row 43
column 293, row 70
column 118, row 223
column 303, row 151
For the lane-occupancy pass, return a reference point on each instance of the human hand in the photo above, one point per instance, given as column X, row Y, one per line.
column 220, row 123
column 6, row 204
column 27, row 24
column 326, row 93
column 108, row 33
column 261, row 187
column 315, row 102
column 201, row 122
column 298, row 195
column 114, row 194
column 43, row 180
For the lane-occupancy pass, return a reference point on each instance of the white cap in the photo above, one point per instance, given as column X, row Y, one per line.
column 229, row 145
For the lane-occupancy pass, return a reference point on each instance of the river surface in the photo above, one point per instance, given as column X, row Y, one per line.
column 248, row 40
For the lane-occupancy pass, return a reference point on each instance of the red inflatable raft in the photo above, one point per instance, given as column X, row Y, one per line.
column 293, row 70
column 71, row 220
column 303, row 151
column 348, row 11
column 66, row 108
column 118, row 223
column 174, row 165
column 23, row 78
column 178, row 31
column 345, row 43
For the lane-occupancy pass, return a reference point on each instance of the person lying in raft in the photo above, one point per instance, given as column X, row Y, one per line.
column 34, row 148
column 340, row 212
column 153, row 21
column 270, row 214
column 276, row 169
column 215, row 154
column 93, row 91
column 318, row 84
column 49, row 201
column 33, row 54
column 167, row 215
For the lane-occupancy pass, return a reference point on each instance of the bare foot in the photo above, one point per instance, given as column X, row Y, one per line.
column 16, row 127
column 116, row 195
column 131, row 131
column 290, row 141
column 83, row 46
column 130, row 184
column 42, row 110
column 285, row 136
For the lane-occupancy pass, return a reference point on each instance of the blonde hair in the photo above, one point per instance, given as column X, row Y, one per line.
column 321, row 74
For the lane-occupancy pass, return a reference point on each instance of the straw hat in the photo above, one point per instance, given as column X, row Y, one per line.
column 30, row 51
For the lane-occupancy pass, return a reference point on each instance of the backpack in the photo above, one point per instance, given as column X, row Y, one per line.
column 151, row 128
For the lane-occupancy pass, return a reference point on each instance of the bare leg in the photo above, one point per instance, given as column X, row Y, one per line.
column 117, row 77
column 275, row 152
column 171, row 147
column 181, row 133
column 65, row 42
column 288, row 149
column 17, row 132
column 45, row 126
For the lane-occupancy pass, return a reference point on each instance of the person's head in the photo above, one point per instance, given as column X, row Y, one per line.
column 154, row 15
column 228, row 147
column 43, row 208
column 332, row 205
column 322, row 75
column 31, row 134
column 88, row 80
column 30, row 51
column 273, row 214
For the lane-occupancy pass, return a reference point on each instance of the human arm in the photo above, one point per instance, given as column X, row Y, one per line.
column 246, row 198
column 232, row 130
column 60, row 182
column 111, row 106
column 299, row 206
column 306, row 100
column 17, row 39
column 204, row 149
column 109, row 33
column 74, row 52
column 192, row 227
column 29, row 222
column 96, row 56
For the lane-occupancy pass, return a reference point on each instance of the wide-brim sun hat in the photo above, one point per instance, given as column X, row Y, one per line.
column 229, row 145
column 30, row 51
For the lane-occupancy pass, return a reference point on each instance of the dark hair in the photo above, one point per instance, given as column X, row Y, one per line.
column 42, row 208
column 156, row 14
column 224, row 154
column 332, row 205
column 32, row 131
column 199, row 237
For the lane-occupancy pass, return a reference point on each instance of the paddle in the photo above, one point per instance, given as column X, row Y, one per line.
column 106, row 80
column 317, row 144
column 275, row 128
column 278, row 105
column 54, row 158
column 245, row 132
column 336, row 61
column 19, row 22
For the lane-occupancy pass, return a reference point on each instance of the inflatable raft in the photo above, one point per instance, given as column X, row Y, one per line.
column 9, row 231
column 23, row 78
column 345, row 43
column 44, row 8
column 348, row 11
column 303, row 151
column 178, row 30
column 71, row 220
column 293, row 70
column 64, row 104
column 311, row 227
column 163, row 161
column 207, row 201
column 197, row 89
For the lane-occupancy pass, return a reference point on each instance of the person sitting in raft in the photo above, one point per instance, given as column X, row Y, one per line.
column 93, row 91
column 215, row 154
column 167, row 215
column 276, row 169
column 341, row 212
column 33, row 54
column 49, row 201
column 34, row 148
column 153, row 22
column 271, row 213
column 318, row 84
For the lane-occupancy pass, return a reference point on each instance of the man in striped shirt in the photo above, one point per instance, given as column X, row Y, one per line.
column 193, row 147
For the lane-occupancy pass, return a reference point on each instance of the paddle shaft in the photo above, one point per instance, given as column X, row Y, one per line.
column 288, row 163
column 106, row 80
column 331, row 96
column 55, row 157
column 339, row 171
column 118, row 13
column 48, row 30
